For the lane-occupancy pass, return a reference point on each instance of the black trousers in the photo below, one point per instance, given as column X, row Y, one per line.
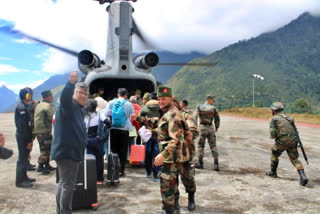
column 119, row 144
column 22, row 162
column 95, row 147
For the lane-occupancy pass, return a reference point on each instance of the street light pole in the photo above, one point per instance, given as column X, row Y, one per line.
column 252, row 91
column 253, row 77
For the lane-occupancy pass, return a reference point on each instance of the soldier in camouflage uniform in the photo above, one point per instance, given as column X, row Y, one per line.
column 138, row 96
column 188, row 117
column 31, row 108
column 174, row 142
column 184, row 107
column 43, row 127
column 207, row 113
column 282, row 129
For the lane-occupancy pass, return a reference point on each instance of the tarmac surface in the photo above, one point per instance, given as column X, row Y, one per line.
column 239, row 187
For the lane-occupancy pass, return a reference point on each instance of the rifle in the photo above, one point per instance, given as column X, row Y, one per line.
column 298, row 138
column 300, row 144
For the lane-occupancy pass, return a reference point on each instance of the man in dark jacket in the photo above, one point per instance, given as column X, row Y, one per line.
column 24, row 137
column 69, row 140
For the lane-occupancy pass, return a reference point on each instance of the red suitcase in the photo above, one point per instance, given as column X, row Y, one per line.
column 137, row 154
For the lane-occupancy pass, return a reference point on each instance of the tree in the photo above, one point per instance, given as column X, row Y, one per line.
column 301, row 106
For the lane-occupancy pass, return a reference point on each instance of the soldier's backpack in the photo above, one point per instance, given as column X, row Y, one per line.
column 284, row 126
column 118, row 116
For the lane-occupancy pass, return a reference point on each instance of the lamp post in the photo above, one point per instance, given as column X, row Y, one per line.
column 255, row 76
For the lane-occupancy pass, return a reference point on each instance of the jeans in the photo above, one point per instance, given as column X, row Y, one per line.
column 152, row 150
column 68, row 170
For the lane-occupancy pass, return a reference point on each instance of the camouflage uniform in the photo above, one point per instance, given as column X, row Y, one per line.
column 43, row 128
column 174, row 142
column 188, row 117
column 207, row 113
column 191, row 121
column 282, row 131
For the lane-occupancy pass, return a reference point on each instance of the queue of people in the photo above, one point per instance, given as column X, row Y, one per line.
column 79, row 128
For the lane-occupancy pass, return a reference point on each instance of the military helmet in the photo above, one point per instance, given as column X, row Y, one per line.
column 276, row 106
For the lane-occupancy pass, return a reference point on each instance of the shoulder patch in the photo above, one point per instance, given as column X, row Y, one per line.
column 22, row 112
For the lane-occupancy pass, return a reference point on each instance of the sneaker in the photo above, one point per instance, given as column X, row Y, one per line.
column 156, row 179
column 149, row 176
column 99, row 182
column 24, row 184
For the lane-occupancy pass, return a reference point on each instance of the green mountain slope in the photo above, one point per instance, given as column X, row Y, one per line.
column 288, row 58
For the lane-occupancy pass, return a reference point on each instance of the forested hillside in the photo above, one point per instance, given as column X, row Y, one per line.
column 288, row 58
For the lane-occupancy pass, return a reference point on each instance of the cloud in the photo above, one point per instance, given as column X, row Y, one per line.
column 57, row 62
column 16, row 87
column 5, row 58
column 4, row 69
column 23, row 41
column 204, row 25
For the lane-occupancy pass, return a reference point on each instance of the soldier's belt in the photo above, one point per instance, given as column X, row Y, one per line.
column 206, row 124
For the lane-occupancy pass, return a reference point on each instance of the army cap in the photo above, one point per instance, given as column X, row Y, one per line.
column 138, row 91
column 146, row 96
column 164, row 91
column 46, row 94
column 276, row 106
column 210, row 97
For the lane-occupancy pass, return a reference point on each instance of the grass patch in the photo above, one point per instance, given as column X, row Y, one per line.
column 265, row 113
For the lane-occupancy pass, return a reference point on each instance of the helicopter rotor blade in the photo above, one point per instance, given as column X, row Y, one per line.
column 137, row 31
column 186, row 64
column 9, row 30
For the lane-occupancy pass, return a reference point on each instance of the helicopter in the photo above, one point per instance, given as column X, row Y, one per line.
column 120, row 69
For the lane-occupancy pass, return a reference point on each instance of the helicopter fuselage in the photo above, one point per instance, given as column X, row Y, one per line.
column 120, row 70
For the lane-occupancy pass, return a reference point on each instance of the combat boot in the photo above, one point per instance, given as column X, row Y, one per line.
column 200, row 164
column 303, row 177
column 24, row 184
column 273, row 172
column 176, row 205
column 216, row 165
column 191, row 203
column 42, row 169
column 170, row 210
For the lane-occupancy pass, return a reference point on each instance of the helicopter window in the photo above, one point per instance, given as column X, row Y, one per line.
column 111, row 85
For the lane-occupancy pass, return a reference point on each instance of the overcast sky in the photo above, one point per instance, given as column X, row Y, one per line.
column 175, row 25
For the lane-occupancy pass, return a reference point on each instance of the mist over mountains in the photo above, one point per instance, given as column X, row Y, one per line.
column 288, row 58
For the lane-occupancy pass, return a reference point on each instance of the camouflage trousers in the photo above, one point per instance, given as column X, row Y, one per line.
column 168, row 181
column 45, row 147
column 292, row 151
column 207, row 132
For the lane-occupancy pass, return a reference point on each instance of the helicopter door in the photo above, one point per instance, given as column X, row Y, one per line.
column 111, row 85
